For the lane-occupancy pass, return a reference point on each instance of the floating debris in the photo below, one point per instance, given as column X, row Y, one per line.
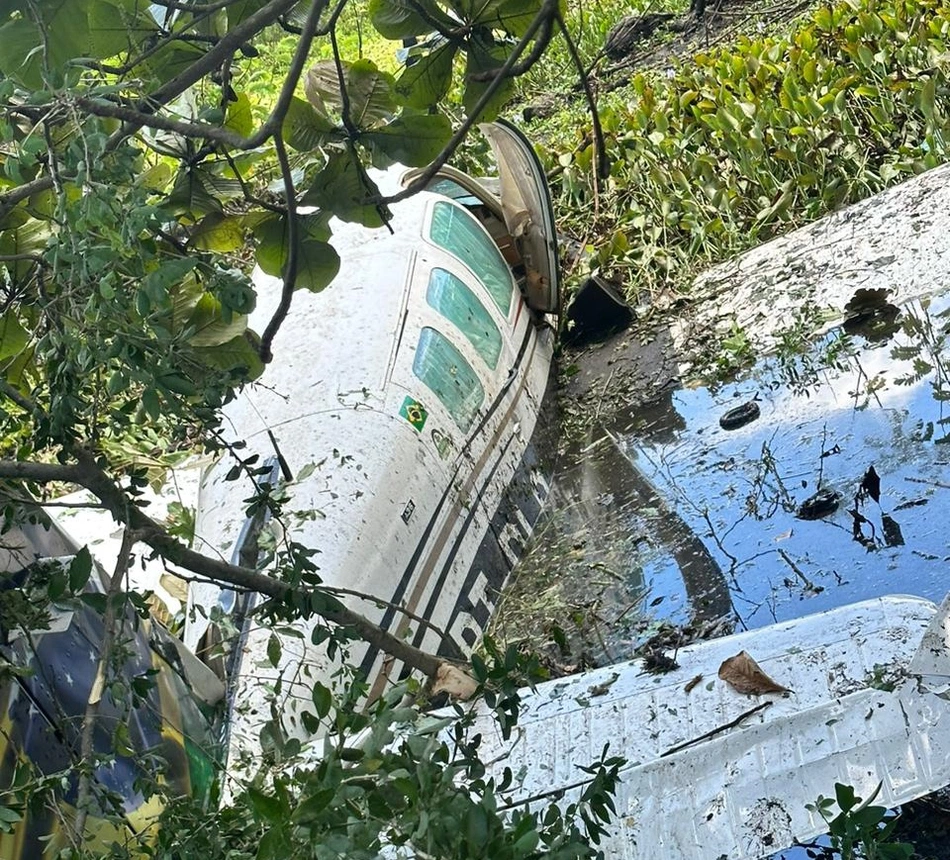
column 740, row 416
column 819, row 505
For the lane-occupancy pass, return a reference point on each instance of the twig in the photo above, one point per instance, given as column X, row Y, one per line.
column 289, row 273
column 87, row 473
column 86, row 741
column 718, row 730
column 600, row 148
column 422, row 179
column 927, row 483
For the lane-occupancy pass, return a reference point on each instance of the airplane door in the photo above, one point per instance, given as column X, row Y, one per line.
column 528, row 213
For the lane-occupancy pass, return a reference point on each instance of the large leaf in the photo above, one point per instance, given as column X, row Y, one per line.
column 399, row 19
column 413, row 140
column 305, row 128
column 370, row 91
column 426, row 82
column 317, row 260
column 108, row 37
column 13, row 337
column 239, row 117
column 218, row 232
column 238, row 354
column 483, row 59
column 240, row 10
column 208, row 325
column 65, row 36
column 512, row 16
column 343, row 188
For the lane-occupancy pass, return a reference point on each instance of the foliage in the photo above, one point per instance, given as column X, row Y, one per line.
column 756, row 138
column 860, row 830
column 143, row 148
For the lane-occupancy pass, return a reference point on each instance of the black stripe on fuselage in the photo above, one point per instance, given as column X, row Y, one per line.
column 406, row 579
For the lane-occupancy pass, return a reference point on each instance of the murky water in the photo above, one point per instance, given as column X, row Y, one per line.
column 854, row 427
column 838, row 491
column 668, row 517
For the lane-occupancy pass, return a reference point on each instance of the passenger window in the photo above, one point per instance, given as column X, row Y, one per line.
column 458, row 233
column 458, row 304
column 443, row 369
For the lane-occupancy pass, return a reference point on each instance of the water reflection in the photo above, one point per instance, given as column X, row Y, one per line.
column 835, row 493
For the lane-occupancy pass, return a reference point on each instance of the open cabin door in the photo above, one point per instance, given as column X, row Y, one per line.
column 528, row 213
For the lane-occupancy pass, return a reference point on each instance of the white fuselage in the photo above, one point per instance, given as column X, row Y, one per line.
column 402, row 463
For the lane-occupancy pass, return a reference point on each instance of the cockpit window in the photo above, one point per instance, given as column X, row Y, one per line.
column 453, row 229
column 443, row 369
column 458, row 304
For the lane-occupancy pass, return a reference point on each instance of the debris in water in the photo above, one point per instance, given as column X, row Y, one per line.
column 892, row 531
column 819, row 505
column 740, row 416
column 871, row 485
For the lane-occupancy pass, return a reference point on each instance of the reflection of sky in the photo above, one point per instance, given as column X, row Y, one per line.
column 739, row 490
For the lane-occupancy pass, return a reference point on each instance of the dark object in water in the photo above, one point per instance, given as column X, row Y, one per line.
column 871, row 484
column 819, row 505
column 892, row 531
column 598, row 310
column 870, row 315
column 740, row 416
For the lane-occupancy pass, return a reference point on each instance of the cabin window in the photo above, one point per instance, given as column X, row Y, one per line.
column 443, row 369
column 458, row 233
column 451, row 189
column 458, row 304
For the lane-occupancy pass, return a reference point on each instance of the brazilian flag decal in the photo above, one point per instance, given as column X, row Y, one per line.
column 414, row 412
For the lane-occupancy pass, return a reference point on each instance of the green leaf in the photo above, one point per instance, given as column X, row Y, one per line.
column 343, row 188
column 13, row 337
column 426, row 82
column 317, row 265
column 369, row 90
column 236, row 355
column 151, row 404
column 8, row 818
column 322, row 699
column 311, row 808
column 482, row 59
column 317, row 260
column 158, row 283
column 218, row 232
column 274, row 650
column 399, row 19
column 305, row 128
column 79, row 570
column 269, row 808
column 239, row 117
column 413, row 140
column 845, row 797
column 210, row 328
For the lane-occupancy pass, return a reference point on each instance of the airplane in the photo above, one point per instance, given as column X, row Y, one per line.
column 398, row 424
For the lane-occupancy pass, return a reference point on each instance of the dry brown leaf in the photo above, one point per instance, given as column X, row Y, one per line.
column 746, row 676
column 692, row 683
column 454, row 681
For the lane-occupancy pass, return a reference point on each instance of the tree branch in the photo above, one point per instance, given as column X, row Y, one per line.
column 201, row 130
column 290, row 271
column 423, row 179
column 86, row 740
column 87, row 473
column 600, row 148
